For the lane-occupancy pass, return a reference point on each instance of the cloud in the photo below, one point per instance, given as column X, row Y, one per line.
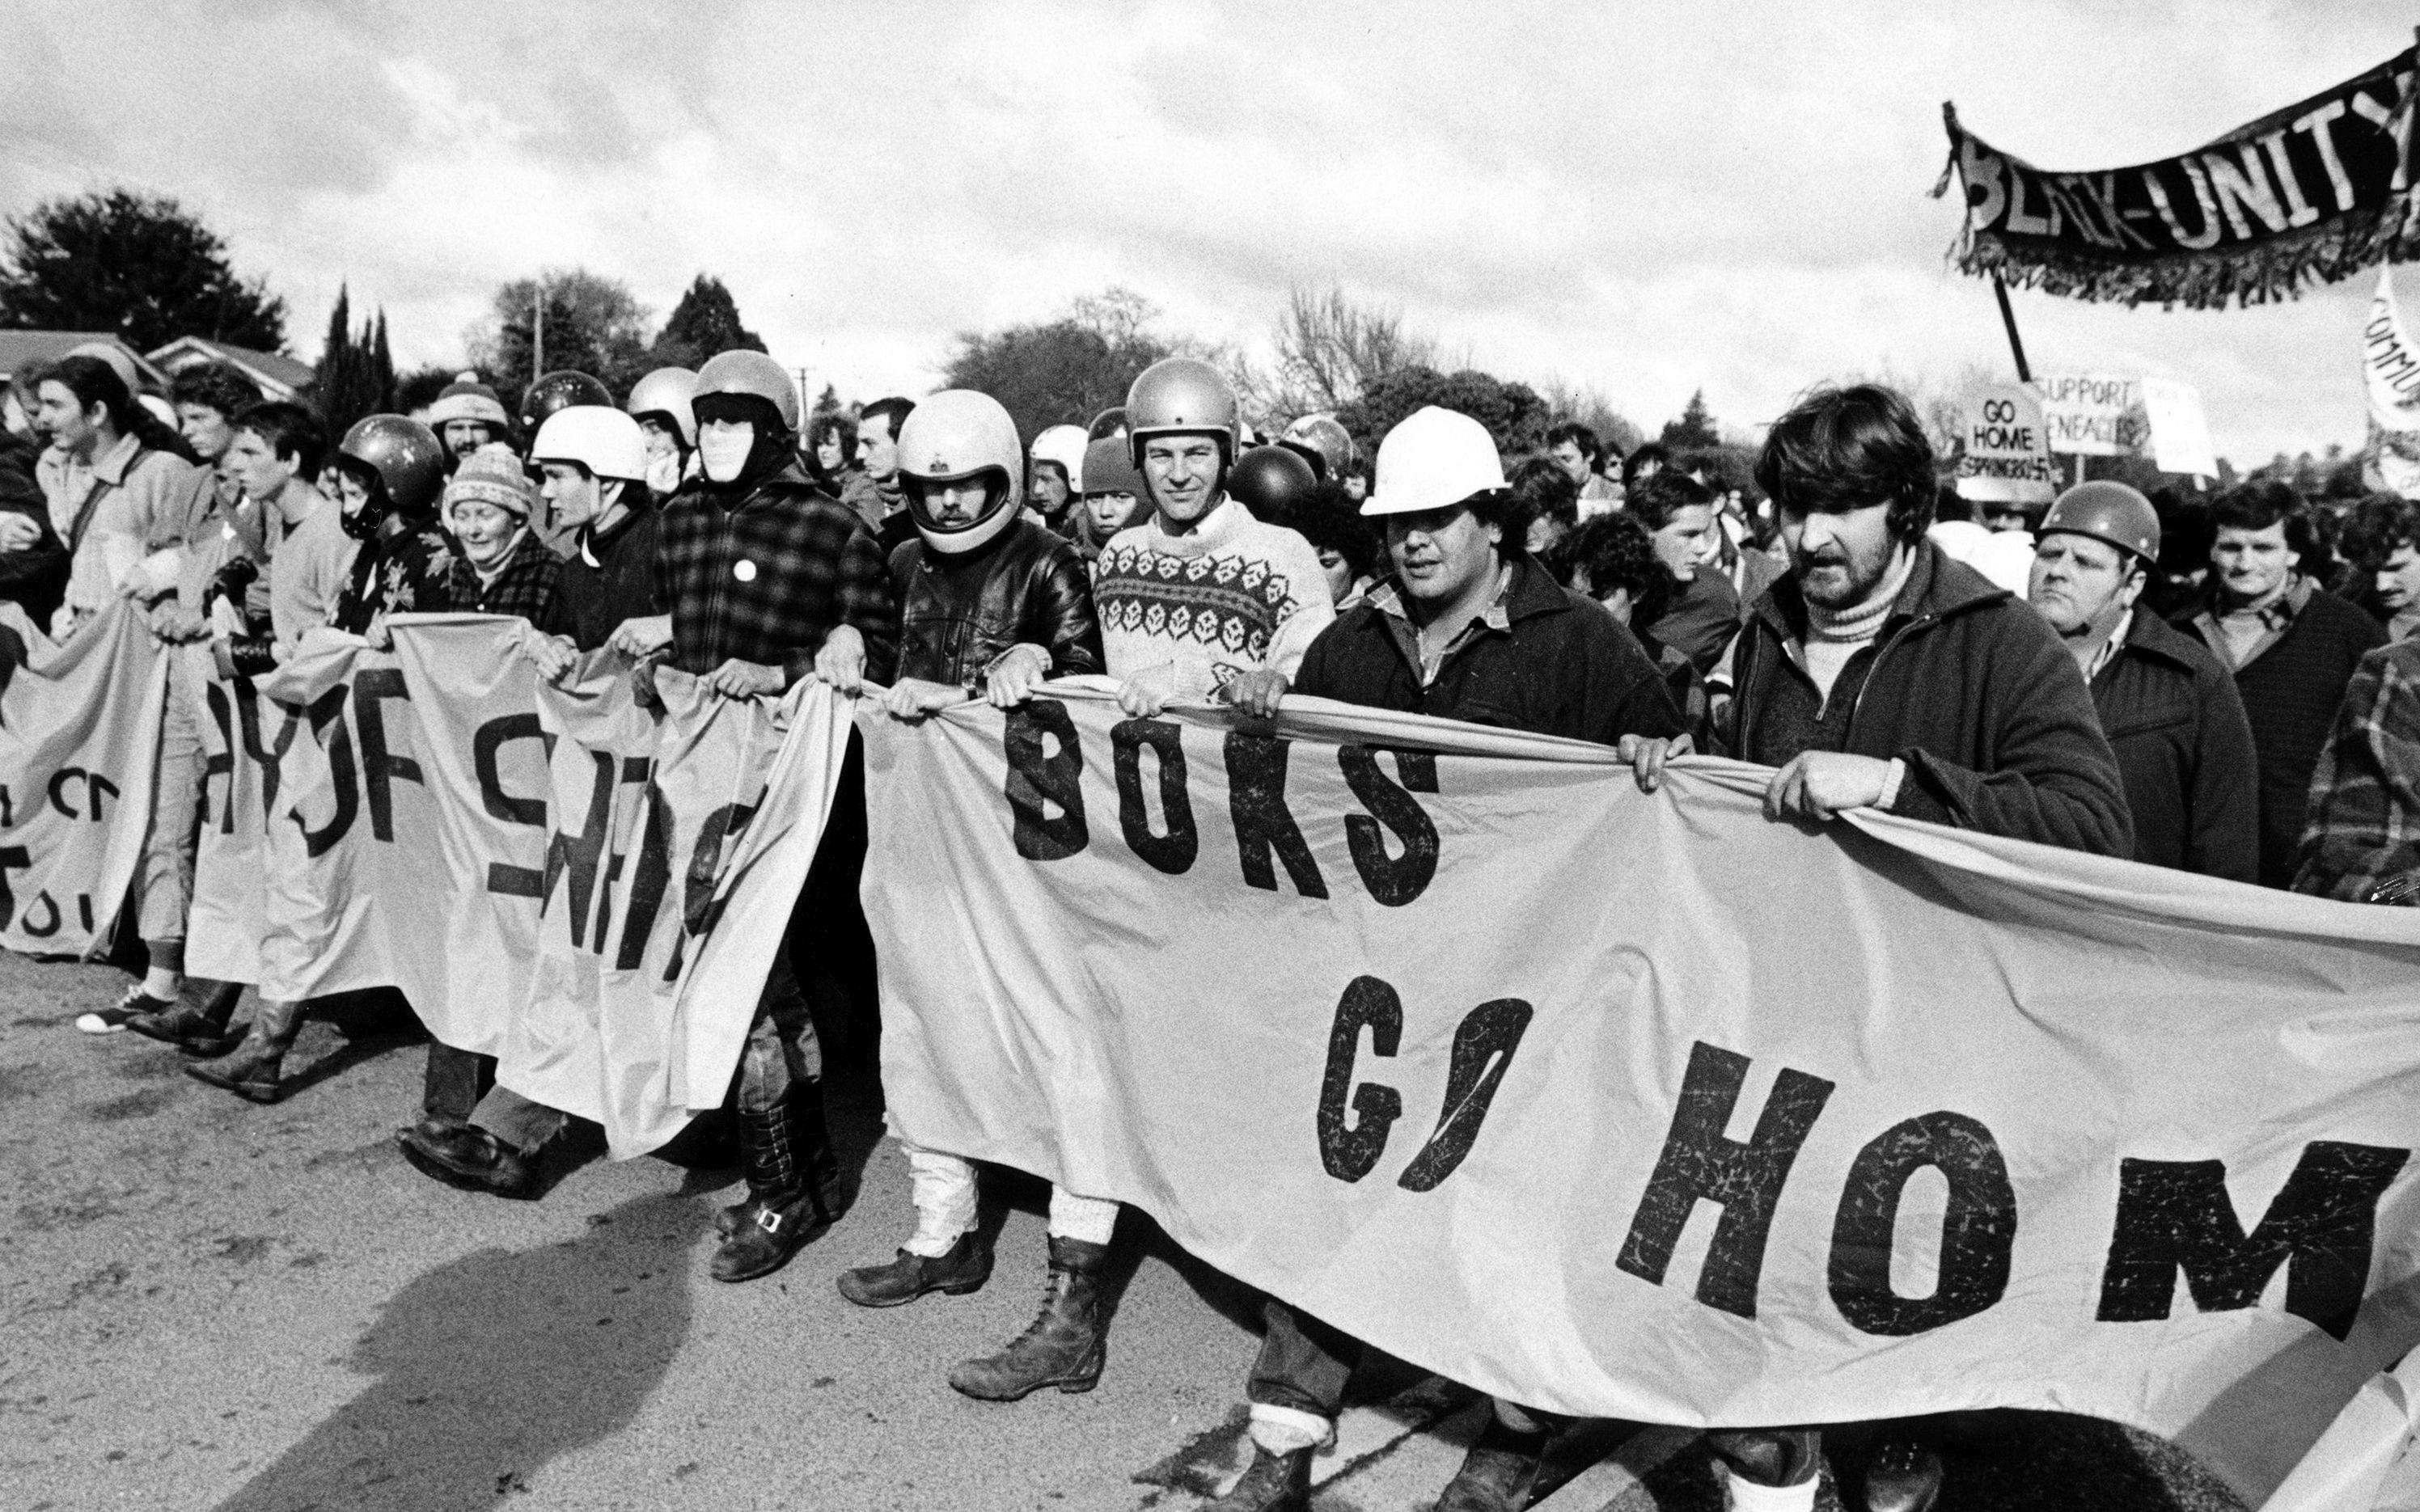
column 1650, row 202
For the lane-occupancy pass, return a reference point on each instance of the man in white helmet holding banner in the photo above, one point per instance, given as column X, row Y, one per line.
column 1466, row 625
column 991, row 604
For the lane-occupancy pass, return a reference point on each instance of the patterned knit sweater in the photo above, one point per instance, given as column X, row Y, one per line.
column 1231, row 596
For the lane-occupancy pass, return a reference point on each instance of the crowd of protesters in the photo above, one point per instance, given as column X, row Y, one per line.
column 2218, row 683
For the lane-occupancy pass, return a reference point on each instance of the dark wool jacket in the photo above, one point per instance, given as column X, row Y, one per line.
column 1561, row 666
column 762, row 570
column 37, row 577
column 2290, row 692
column 2184, row 748
column 958, row 613
column 1965, row 685
column 609, row 577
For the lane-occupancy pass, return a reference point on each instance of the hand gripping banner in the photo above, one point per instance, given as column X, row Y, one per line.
column 2313, row 193
column 1645, row 1106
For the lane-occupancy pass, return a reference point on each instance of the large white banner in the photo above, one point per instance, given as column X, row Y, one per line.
column 1647, row 1107
column 79, row 745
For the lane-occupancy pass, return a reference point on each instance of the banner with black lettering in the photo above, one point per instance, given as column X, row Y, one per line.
column 79, row 745
column 617, row 875
column 2310, row 193
column 1646, row 1106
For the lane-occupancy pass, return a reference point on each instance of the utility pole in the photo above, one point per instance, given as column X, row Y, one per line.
column 537, row 331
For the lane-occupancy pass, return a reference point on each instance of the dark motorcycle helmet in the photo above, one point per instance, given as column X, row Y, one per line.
column 560, row 390
column 402, row 461
column 1274, row 481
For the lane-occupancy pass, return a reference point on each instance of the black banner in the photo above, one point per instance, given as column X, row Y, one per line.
column 2309, row 193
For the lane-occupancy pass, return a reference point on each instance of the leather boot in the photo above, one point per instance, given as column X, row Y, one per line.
column 805, row 1103
column 1272, row 1483
column 195, row 1029
column 1902, row 1476
column 964, row 1268
column 1062, row 1347
column 1498, row 1473
column 792, row 1180
column 253, row 1071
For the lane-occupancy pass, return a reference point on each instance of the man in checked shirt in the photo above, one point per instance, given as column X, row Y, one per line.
column 769, row 580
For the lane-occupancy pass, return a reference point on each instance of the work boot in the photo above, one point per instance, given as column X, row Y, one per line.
column 1062, row 1347
column 1902, row 1476
column 195, row 1029
column 252, row 1071
column 1498, row 1473
column 1272, row 1483
column 465, row 1156
column 793, row 1186
column 964, row 1268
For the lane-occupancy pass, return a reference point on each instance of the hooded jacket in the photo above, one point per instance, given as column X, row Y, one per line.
column 1966, row 686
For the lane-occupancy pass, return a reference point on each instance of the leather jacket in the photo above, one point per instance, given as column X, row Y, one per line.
column 958, row 613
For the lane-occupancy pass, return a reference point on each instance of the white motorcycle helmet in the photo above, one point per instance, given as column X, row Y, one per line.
column 953, row 436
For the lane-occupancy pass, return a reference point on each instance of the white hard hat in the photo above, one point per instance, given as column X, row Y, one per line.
column 607, row 443
column 1434, row 459
column 1064, row 445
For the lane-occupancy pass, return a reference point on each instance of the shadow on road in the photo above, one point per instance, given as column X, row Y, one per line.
column 492, row 1364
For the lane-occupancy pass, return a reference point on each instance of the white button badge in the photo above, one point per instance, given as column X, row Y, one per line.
column 744, row 570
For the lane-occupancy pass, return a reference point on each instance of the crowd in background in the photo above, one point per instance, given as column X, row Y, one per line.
column 2219, row 683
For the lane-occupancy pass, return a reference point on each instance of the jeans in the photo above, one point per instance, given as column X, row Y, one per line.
column 453, row 1082
column 781, row 1045
column 163, row 878
column 459, row 1090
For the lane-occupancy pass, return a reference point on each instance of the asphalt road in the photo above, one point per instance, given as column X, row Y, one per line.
column 210, row 1305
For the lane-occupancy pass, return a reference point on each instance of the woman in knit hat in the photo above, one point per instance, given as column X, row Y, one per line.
column 500, row 565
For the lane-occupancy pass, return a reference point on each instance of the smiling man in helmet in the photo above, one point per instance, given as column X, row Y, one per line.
column 991, row 603
column 766, row 579
column 2170, row 710
column 1466, row 627
column 1202, row 600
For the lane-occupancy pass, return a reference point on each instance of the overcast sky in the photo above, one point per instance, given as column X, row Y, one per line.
column 1646, row 200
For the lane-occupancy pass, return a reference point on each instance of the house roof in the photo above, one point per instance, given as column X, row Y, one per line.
column 25, row 351
column 265, row 368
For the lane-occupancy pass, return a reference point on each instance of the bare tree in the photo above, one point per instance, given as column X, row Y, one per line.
column 1330, row 349
column 1590, row 407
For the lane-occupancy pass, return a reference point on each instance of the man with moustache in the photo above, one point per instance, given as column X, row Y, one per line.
column 1879, row 674
column 2169, row 709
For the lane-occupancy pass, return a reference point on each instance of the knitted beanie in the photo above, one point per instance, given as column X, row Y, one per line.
column 467, row 399
column 491, row 475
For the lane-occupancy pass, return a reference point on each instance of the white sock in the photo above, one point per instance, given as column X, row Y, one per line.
column 1747, row 1496
column 163, row 984
column 1281, row 1430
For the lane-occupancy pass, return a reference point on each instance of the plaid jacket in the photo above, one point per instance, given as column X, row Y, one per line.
column 768, row 580
column 522, row 588
column 2363, row 825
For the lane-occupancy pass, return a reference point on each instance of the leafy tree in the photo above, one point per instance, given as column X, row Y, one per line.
column 419, row 388
column 1512, row 412
column 356, row 374
column 706, row 322
column 1695, row 430
column 143, row 267
column 1064, row 372
column 592, row 325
